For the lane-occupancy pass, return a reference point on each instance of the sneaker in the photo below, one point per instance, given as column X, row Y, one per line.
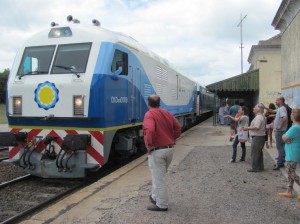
column 277, row 167
column 231, row 161
column 155, row 208
column 286, row 194
column 241, row 160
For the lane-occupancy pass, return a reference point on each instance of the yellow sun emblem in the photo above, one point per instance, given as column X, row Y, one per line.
column 46, row 95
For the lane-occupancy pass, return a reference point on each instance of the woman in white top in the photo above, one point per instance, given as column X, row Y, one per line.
column 243, row 121
column 257, row 131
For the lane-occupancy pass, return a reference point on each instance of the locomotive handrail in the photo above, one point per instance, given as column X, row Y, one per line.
column 57, row 160
column 66, row 164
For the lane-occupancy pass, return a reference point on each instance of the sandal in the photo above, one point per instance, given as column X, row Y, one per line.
column 286, row 194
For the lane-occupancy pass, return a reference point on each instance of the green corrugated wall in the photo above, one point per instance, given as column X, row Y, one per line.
column 245, row 82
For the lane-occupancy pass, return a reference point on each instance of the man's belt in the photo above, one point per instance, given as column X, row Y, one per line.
column 253, row 136
column 163, row 147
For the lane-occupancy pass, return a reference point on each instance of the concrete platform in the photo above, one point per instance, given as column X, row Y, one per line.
column 203, row 188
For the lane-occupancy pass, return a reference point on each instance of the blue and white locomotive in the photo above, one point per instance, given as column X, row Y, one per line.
column 77, row 95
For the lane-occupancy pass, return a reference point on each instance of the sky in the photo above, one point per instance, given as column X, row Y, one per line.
column 199, row 37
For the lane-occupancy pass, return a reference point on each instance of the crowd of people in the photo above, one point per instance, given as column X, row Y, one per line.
column 284, row 121
column 161, row 129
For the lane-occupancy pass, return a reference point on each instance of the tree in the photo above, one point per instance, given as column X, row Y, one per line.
column 3, row 85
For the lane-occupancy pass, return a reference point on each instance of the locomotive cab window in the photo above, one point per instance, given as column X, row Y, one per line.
column 36, row 60
column 120, row 60
column 71, row 58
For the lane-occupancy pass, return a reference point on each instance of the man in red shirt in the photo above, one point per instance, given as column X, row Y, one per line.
column 160, row 131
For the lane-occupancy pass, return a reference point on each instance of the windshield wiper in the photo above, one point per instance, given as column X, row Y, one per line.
column 32, row 73
column 71, row 69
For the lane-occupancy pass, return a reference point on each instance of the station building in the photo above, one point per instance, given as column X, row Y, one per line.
column 261, row 83
column 266, row 57
column 287, row 20
column 274, row 65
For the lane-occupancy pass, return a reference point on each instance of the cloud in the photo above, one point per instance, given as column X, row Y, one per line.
column 199, row 37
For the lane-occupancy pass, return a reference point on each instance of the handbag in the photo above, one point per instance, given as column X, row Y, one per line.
column 243, row 136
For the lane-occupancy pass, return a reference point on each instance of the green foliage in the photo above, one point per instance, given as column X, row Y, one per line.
column 3, row 85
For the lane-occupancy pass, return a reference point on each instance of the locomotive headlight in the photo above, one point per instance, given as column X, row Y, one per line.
column 17, row 105
column 78, row 105
column 57, row 32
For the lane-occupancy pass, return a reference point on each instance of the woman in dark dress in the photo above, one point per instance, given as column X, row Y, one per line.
column 270, row 125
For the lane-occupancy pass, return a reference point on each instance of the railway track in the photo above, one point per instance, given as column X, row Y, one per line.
column 26, row 195
column 13, row 181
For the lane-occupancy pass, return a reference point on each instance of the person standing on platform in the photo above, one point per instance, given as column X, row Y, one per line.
column 292, row 152
column 222, row 112
column 161, row 129
column 280, row 126
column 270, row 125
column 243, row 121
column 257, row 131
column 227, row 112
column 232, row 112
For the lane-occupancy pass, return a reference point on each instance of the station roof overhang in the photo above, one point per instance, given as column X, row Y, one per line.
column 237, row 86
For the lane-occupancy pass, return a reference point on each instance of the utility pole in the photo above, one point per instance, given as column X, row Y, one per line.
column 241, row 25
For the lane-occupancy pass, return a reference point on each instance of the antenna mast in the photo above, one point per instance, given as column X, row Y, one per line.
column 241, row 25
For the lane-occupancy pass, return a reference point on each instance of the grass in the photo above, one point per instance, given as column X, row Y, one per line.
column 3, row 119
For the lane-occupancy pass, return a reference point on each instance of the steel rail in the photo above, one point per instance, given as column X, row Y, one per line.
column 30, row 211
column 18, row 179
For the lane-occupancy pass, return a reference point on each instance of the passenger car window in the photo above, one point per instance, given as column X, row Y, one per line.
column 71, row 58
column 120, row 59
column 36, row 60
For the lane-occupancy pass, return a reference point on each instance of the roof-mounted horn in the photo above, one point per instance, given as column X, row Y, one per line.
column 96, row 22
column 70, row 18
column 53, row 24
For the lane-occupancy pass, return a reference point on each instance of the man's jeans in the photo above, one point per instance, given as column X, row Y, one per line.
column 159, row 161
column 280, row 147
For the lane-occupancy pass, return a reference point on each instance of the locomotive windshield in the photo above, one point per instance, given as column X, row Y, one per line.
column 36, row 60
column 71, row 58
